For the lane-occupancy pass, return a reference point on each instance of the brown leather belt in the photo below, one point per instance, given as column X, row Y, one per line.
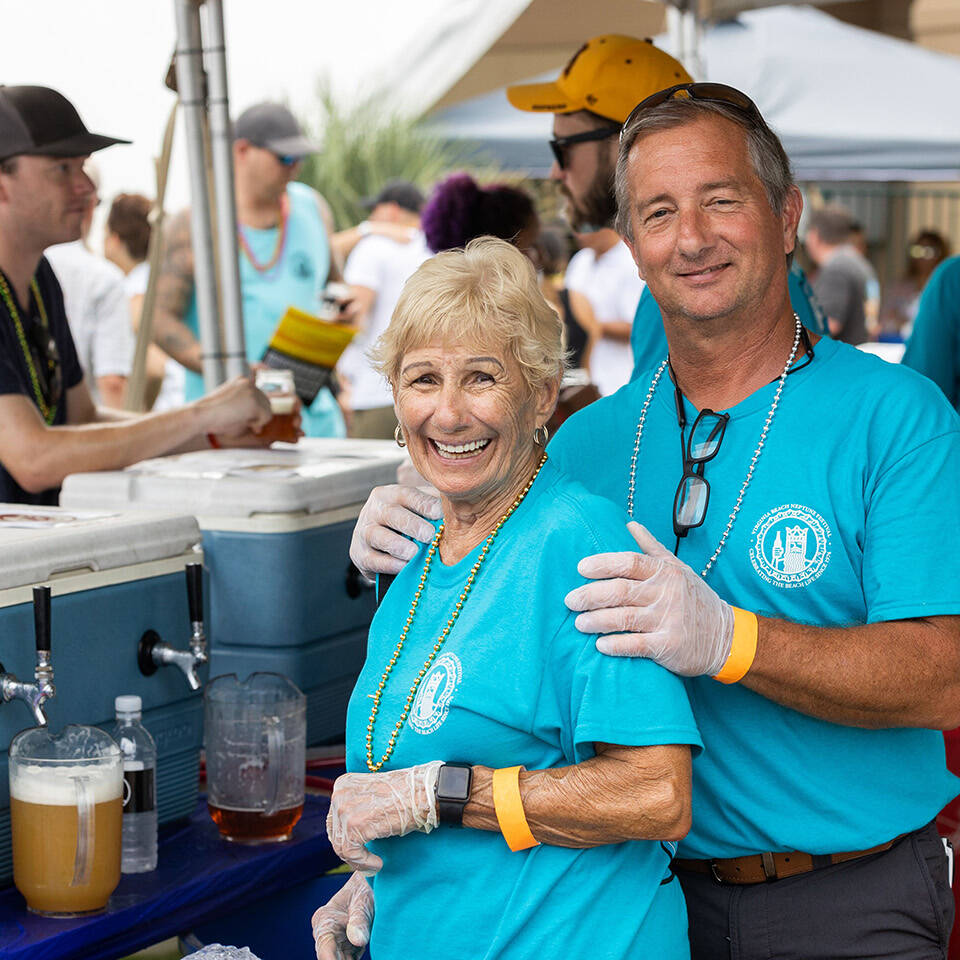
column 762, row 867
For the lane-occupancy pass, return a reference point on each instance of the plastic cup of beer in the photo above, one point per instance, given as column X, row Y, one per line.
column 280, row 389
column 66, row 810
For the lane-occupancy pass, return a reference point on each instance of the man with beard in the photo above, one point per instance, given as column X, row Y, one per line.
column 590, row 100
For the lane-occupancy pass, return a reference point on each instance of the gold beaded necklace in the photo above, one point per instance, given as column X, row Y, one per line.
column 434, row 546
column 49, row 411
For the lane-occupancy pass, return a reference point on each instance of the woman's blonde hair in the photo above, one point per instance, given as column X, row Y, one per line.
column 484, row 293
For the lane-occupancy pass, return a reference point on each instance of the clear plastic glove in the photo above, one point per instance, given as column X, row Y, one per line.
column 368, row 806
column 341, row 927
column 653, row 605
column 391, row 515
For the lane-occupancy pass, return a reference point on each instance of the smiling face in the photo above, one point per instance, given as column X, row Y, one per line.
column 706, row 239
column 468, row 417
column 45, row 199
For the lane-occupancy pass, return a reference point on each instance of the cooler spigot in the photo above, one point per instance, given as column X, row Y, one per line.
column 154, row 652
column 42, row 689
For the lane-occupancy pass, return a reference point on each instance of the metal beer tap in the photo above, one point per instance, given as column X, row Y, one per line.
column 154, row 652
column 35, row 694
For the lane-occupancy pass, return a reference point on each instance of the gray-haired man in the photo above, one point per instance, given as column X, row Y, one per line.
column 816, row 621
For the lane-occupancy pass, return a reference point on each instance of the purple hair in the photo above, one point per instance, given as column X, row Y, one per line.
column 459, row 211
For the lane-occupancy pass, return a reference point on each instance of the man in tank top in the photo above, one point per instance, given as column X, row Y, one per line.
column 284, row 237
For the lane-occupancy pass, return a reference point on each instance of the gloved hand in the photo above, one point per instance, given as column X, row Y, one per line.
column 653, row 605
column 378, row 545
column 341, row 927
column 368, row 806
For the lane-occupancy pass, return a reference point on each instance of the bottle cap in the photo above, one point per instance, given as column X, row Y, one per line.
column 129, row 703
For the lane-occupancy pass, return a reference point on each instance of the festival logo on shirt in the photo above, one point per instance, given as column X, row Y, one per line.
column 790, row 545
column 432, row 702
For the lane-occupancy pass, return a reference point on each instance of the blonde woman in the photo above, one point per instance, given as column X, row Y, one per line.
column 475, row 668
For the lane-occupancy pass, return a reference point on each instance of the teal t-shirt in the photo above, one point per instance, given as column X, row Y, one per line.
column 934, row 346
column 297, row 279
column 516, row 683
column 649, row 341
column 851, row 517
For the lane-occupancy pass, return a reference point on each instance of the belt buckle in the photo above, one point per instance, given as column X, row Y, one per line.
column 715, row 872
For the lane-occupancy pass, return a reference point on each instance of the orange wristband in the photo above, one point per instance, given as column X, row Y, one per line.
column 743, row 649
column 509, row 809
column 213, row 441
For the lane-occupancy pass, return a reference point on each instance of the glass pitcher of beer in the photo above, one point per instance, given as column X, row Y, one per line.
column 66, row 810
column 255, row 736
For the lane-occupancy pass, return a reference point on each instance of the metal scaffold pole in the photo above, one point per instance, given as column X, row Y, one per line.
column 190, row 83
column 221, row 144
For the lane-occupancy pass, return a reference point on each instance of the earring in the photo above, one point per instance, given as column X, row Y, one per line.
column 541, row 431
column 398, row 436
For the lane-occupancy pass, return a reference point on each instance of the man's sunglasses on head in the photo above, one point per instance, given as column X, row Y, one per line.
column 561, row 145
column 710, row 92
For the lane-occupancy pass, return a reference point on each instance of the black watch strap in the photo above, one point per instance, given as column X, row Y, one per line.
column 453, row 792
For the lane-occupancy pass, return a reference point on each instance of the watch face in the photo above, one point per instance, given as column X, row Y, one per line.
column 454, row 783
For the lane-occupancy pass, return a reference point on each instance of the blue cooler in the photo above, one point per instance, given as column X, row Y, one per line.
column 113, row 577
column 276, row 528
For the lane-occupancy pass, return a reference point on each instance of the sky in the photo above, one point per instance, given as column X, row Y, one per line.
column 109, row 57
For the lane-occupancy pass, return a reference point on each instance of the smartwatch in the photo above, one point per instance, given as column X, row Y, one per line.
column 453, row 792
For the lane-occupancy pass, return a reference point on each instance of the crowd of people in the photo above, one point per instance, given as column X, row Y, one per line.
column 616, row 703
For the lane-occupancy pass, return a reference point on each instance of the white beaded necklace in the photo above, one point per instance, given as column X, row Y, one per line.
column 753, row 461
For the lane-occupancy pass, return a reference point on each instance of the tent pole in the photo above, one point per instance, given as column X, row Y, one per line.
column 221, row 141
column 190, row 84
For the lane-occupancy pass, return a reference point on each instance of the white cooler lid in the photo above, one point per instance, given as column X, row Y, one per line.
column 39, row 543
column 314, row 476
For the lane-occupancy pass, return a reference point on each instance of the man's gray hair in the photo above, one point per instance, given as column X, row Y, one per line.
column 766, row 153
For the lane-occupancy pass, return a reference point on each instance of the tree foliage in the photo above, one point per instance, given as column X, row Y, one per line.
column 364, row 147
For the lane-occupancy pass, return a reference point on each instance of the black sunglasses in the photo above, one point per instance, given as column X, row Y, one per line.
column 711, row 92
column 693, row 492
column 560, row 145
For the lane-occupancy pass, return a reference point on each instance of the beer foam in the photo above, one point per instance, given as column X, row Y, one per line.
column 54, row 785
column 282, row 404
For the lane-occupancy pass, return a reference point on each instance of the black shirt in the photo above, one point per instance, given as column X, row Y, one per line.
column 15, row 375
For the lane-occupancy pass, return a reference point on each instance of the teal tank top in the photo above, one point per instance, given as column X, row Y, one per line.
column 297, row 279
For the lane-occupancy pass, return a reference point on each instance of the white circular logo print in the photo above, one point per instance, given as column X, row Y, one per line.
column 790, row 545
column 432, row 702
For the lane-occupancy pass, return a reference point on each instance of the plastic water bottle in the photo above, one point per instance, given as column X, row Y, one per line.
column 139, row 850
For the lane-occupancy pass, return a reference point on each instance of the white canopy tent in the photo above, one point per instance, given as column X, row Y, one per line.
column 849, row 104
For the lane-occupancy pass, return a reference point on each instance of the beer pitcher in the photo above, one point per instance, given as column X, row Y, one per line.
column 66, row 810
column 255, row 734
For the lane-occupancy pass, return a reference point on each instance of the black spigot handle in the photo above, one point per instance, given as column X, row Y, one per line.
column 195, row 591
column 41, row 618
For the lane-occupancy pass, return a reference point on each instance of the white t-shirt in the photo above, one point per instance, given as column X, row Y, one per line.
column 382, row 265
column 172, row 389
column 97, row 311
column 611, row 284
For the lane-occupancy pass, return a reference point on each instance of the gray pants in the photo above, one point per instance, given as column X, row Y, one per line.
column 896, row 905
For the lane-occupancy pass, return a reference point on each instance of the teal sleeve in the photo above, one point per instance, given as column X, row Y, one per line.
column 898, row 584
column 628, row 701
column 933, row 346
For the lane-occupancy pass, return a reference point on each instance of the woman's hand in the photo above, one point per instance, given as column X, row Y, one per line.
column 341, row 928
column 368, row 806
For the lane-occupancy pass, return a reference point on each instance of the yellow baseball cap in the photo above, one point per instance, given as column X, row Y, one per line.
column 608, row 75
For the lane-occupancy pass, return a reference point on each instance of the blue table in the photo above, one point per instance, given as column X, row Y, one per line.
column 199, row 877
